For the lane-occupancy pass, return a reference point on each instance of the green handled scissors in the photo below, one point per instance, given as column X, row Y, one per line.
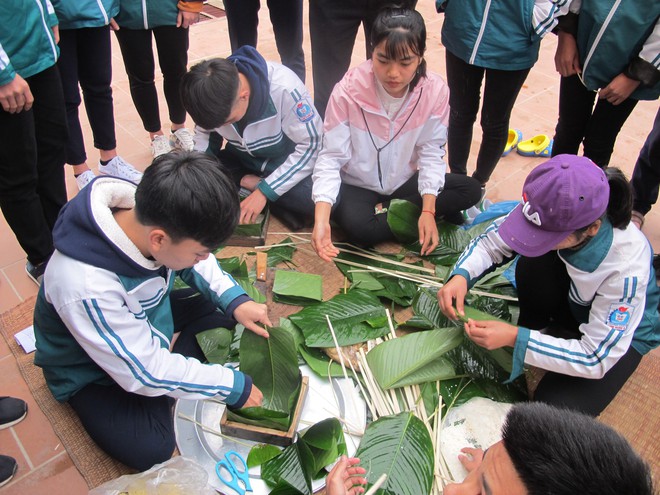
column 237, row 471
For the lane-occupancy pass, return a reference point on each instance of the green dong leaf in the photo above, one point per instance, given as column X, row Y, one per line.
column 415, row 358
column 399, row 446
column 356, row 317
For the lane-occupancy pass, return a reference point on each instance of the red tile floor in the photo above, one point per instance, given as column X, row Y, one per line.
column 44, row 467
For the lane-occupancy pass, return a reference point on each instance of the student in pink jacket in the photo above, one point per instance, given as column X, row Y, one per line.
column 385, row 132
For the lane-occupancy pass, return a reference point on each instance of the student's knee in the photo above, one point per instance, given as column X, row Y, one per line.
column 147, row 452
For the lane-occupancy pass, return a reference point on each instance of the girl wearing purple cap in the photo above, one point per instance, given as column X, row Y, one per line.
column 586, row 284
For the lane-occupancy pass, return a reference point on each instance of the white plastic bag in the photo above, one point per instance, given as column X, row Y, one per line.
column 177, row 476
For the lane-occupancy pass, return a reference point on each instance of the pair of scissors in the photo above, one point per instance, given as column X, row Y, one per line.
column 237, row 470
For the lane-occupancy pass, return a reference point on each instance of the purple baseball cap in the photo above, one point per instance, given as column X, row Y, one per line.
column 560, row 196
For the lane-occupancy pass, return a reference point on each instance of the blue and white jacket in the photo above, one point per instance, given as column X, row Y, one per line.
column 282, row 141
column 613, row 296
column 103, row 313
column 498, row 34
column 27, row 44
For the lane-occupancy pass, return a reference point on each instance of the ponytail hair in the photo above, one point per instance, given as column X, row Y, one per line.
column 619, row 208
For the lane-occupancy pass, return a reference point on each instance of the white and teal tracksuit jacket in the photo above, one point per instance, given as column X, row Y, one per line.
column 280, row 145
column 498, row 34
column 148, row 14
column 103, row 313
column 614, row 37
column 27, row 45
column 76, row 14
column 613, row 296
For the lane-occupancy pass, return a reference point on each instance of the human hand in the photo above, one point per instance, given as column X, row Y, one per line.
column 428, row 233
column 618, row 90
column 56, row 33
column 471, row 458
column 322, row 241
column 16, row 95
column 454, row 290
column 255, row 399
column 250, row 313
column 567, row 58
column 491, row 334
column 113, row 24
column 344, row 478
column 250, row 181
column 322, row 233
column 186, row 19
column 252, row 206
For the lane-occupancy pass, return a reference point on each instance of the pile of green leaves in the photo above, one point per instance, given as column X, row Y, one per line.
column 356, row 316
column 397, row 290
column 292, row 471
column 282, row 253
column 297, row 288
column 273, row 365
column 237, row 268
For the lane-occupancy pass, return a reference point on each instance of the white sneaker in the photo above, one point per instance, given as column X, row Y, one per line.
column 85, row 178
column 160, row 145
column 117, row 167
column 182, row 139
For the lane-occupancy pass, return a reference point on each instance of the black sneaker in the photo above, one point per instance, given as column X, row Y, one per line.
column 36, row 272
column 12, row 411
column 8, row 469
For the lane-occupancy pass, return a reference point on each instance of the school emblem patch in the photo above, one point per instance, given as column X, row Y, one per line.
column 304, row 111
column 619, row 316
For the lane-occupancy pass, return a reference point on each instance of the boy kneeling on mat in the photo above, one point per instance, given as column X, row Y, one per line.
column 114, row 339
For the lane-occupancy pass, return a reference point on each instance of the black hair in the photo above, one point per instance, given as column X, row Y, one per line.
column 209, row 90
column 620, row 203
column 404, row 30
column 562, row 452
column 190, row 196
column 619, row 208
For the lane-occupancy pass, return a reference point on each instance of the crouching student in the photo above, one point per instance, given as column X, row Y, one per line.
column 385, row 136
column 586, row 285
column 545, row 450
column 272, row 132
column 114, row 339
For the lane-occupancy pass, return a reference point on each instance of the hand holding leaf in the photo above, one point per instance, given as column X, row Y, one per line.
column 454, row 290
column 250, row 313
column 491, row 334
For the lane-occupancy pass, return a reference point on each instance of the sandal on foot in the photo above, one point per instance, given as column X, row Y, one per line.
column 540, row 145
column 515, row 136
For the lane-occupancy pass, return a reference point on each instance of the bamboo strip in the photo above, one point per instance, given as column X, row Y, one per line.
column 383, row 259
column 281, row 244
column 208, row 429
column 377, row 484
column 422, row 279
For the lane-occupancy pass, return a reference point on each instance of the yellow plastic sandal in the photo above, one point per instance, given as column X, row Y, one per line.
column 540, row 145
column 515, row 136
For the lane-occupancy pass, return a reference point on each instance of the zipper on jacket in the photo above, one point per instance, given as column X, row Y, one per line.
column 49, row 31
column 484, row 19
column 601, row 31
column 102, row 9
column 144, row 14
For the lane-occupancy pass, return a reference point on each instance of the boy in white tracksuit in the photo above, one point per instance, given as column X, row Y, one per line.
column 106, row 317
column 272, row 132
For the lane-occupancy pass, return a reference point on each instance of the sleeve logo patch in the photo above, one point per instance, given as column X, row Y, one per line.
column 619, row 316
column 304, row 111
